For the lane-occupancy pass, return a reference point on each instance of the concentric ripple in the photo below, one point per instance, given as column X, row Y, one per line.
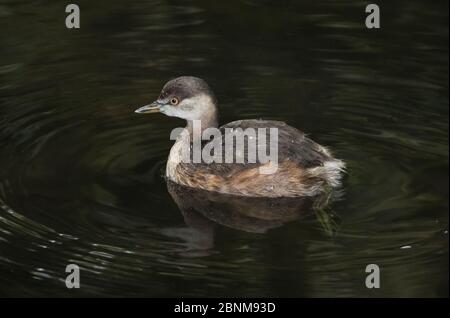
column 81, row 175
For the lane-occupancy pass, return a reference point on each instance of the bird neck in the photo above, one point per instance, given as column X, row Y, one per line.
column 209, row 119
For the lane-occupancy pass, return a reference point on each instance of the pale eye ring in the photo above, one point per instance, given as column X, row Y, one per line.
column 174, row 101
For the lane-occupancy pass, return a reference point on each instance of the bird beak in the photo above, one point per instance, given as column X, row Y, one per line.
column 152, row 108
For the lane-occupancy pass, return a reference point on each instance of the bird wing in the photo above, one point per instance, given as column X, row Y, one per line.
column 293, row 146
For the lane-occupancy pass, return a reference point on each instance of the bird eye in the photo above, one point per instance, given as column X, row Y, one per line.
column 174, row 101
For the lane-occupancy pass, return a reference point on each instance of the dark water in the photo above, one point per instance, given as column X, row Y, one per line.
column 81, row 174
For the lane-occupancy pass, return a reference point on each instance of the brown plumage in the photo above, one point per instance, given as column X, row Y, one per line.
column 305, row 168
column 301, row 170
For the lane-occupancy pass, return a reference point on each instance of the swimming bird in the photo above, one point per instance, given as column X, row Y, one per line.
column 303, row 167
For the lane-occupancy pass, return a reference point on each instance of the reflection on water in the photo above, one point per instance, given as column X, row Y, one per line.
column 81, row 174
column 202, row 210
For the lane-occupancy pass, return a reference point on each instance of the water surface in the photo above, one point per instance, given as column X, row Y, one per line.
column 81, row 174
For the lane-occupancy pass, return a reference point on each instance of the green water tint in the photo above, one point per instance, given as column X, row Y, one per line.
column 80, row 173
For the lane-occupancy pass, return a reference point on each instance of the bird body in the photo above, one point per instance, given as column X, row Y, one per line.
column 302, row 167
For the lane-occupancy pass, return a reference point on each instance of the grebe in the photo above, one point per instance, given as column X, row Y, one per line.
column 304, row 168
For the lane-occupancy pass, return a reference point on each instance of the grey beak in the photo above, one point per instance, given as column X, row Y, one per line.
column 152, row 108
